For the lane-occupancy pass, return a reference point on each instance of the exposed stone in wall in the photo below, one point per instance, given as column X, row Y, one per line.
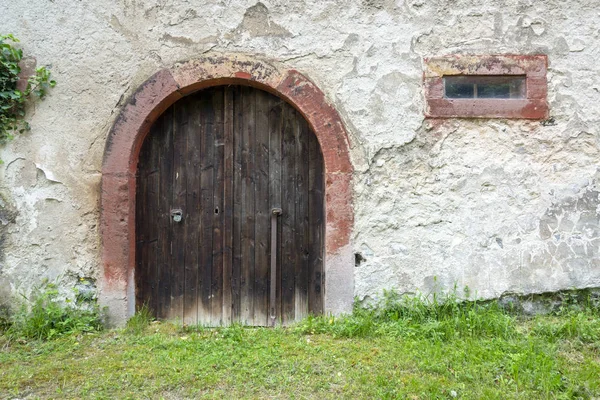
column 495, row 218
column 550, row 302
column 8, row 215
column 257, row 23
column 499, row 206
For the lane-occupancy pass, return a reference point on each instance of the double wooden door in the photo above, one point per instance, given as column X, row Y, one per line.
column 213, row 173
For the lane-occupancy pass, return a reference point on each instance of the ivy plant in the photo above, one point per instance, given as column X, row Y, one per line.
column 13, row 100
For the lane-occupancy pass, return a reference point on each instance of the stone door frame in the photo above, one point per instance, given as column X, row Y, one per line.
column 150, row 100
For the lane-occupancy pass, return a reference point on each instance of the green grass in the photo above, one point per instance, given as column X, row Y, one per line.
column 404, row 348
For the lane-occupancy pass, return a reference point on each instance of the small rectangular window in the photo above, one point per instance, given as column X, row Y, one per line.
column 484, row 87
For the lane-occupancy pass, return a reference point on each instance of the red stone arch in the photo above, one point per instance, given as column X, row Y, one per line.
column 152, row 98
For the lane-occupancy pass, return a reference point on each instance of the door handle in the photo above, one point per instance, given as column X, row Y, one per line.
column 177, row 214
column 275, row 212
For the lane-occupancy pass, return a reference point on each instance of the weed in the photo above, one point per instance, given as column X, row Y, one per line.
column 4, row 319
column 234, row 332
column 358, row 324
column 138, row 323
column 44, row 316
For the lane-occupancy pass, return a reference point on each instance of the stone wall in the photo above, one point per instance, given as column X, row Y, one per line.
column 496, row 205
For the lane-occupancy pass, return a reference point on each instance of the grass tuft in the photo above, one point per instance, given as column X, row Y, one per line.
column 436, row 318
column 45, row 316
column 234, row 332
column 140, row 321
column 582, row 325
column 4, row 319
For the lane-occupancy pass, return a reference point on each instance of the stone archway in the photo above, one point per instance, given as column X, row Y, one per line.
column 159, row 92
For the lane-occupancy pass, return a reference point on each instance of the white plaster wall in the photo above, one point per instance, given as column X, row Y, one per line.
column 495, row 205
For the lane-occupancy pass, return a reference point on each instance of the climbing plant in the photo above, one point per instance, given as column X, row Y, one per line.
column 13, row 100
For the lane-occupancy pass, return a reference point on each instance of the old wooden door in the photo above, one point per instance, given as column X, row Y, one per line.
column 210, row 172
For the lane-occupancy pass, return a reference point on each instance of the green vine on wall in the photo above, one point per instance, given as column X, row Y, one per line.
column 13, row 100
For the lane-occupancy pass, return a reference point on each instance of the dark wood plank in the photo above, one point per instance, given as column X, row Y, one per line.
column 218, row 188
column 142, row 286
column 178, row 202
column 248, row 151
column 147, row 201
column 228, row 129
column 165, row 223
column 238, row 124
column 192, row 221
column 288, row 217
column 151, row 222
column 315, row 226
column 206, row 206
column 275, row 138
column 301, row 224
column 152, row 301
column 262, row 209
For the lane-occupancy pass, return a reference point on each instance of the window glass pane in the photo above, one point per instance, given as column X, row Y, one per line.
column 457, row 87
column 485, row 87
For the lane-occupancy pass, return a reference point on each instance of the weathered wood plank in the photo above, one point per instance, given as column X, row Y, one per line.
column 288, row 218
column 301, row 200
column 248, row 151
column 228, row 131
column 142, row 286
column 316, row 226
column 238, row 123
column 262, row 209
column 218, row 189
column 165, row 222
column 206, row 206
column 178, row 202
column 275, row 139
column 192, row 217
column 151, row 204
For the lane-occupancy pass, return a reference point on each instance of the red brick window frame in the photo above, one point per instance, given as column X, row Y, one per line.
column 532, row 106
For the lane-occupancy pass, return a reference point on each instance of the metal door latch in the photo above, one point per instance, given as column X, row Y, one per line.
column 176, row 214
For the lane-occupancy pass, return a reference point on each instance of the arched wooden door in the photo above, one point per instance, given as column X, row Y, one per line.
column 212, row 174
